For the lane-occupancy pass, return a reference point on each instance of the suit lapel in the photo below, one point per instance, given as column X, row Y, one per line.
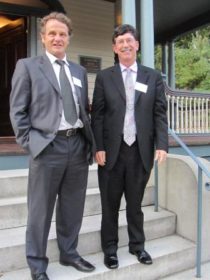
column 118, row 80
column 48, row 72
column 142, row 77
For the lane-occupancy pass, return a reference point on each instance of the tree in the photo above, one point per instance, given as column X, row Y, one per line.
column 192, row 60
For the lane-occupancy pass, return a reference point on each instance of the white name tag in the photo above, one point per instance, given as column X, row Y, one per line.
column 141, row 87
column 77, row 82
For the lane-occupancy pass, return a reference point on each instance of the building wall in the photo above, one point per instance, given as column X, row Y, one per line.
column 93, row 23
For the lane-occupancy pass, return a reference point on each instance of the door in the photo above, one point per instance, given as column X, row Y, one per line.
column 13, row 46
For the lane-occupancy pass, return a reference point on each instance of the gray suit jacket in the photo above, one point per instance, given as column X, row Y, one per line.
column 36, row 104
column 108, row 113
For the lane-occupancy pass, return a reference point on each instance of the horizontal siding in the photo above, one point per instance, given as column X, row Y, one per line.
column 93, row 23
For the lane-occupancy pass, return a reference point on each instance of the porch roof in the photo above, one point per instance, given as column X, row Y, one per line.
column 171, row 18
column 33, row 7
column 176, row 17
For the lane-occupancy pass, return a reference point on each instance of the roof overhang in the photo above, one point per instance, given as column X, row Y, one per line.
column 174, row 18
column 32, row 8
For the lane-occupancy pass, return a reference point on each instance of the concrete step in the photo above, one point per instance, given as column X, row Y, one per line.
column 13, row 211
column 170, row 254
column 13, row 183
column 12, row 241
column 190, row 274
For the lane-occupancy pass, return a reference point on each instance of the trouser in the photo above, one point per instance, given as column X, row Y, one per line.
column 128, row 177
column 59, row 172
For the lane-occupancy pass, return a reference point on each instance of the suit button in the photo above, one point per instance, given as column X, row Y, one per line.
column 60, row 115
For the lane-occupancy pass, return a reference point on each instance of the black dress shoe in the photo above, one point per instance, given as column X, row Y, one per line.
column 39, row 276
column 111, row 261
column 142, row 256
column 79, row 264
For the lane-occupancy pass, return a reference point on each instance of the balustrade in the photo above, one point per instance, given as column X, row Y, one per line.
column 188, row 112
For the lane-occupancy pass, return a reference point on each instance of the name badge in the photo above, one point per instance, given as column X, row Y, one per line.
column 77, row 82
column 141, row 87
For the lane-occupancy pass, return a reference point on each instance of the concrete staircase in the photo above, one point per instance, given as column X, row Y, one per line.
column 171, row 253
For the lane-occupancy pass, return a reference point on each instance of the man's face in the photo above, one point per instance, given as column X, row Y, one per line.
column 126, row 47
column 55, row 38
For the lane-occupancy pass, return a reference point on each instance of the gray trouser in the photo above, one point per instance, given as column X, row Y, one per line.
column 59, row 172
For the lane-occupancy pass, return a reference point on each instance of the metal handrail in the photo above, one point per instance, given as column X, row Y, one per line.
column 188, row 151
column 201, row 168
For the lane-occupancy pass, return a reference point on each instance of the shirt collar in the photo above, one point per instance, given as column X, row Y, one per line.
column 53, row 58
column 133, row 67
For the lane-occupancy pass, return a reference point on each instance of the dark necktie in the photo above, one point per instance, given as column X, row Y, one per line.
column 69, row 106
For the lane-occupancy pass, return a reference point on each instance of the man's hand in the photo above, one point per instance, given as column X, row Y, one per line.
column 160, row 156
column 101, row 158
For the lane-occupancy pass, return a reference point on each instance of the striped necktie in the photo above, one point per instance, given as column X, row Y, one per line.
column 69, row 106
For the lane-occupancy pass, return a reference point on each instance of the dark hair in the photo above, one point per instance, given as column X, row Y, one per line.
column 122, row 29
column 59, row 17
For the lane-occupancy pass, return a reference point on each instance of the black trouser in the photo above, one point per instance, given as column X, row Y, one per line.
column 128, row 176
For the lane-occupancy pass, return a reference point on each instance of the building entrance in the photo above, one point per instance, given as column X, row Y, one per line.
column 13, row 47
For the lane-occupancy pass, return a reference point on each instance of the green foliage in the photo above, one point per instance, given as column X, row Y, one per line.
column 158, row 57
column 192, row 60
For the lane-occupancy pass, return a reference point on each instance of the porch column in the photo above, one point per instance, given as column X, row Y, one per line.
column 171, row 66
column 147, row 33
column 129, row 12
column 164, row 67
column 32, row 37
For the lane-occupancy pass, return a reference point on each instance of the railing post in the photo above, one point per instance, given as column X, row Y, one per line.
column 188, row 113
column 156, row 184
column 177, row 115
column 199, row 225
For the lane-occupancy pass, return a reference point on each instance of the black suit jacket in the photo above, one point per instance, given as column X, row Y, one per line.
column 108, row 113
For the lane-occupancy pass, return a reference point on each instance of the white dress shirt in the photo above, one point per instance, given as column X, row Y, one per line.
column 56, row 67
column 129, row 130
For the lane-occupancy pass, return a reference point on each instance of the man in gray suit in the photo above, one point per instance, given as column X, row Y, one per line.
column 59, row 141
column 129, row 122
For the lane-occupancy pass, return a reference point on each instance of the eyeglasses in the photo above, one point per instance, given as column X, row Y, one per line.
column 123, row 41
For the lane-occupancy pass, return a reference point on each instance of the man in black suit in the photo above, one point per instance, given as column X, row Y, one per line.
column 129, row 123
column 59, row 141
